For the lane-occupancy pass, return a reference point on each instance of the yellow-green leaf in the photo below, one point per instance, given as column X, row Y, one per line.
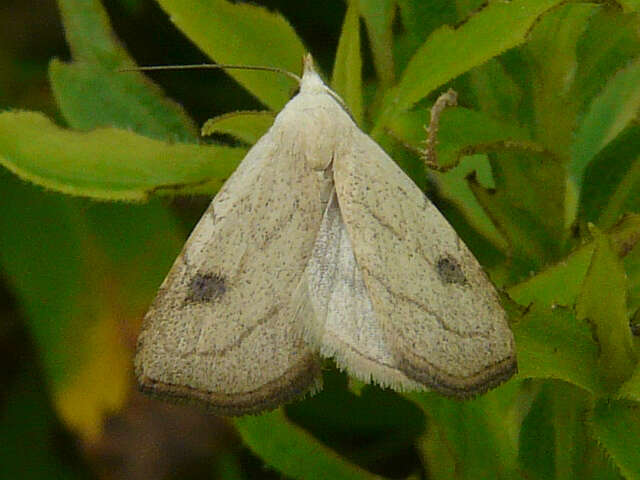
column 245, row 34
column 245, row 126
column 616, row 426
column 109, row 163
column 294, row 452
column 557, row 285
column 91, row 93
column 602, row 302
column 347, row 68
column 378, row 17
column 553, row 343
column 450, row 52
column 609, row 113
column 100, row 383
column 631, row 388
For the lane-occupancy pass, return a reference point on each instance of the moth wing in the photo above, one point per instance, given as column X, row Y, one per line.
column 439, row 312
column 342, row 323
column 221, row 329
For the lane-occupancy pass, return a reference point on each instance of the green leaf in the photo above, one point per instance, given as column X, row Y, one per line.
column 553, row 51
column 632, row 267
column 612, row 181
column 244, row 34
column 292, row 451
column 466, row 8
column 557, row 285
column 496, row 92
column 378, row 17
column 246, row 126
column 631, row 388
column 447, row 53
column 602, row 302
column 91, row 93
column 616, row 426
column 90, row 96
column 474, row 431
column 608, row 45
column 534, row 183
column 630, row 5
column 527, row 207
column 438, row 457
column 625, row 237
column 537, row 453
column 420, row 18
column 553, row 443
column 561, row 283
column 347, row 68
column 89, row 33
column 608, row 115
column 553, row 343
column 108, row 163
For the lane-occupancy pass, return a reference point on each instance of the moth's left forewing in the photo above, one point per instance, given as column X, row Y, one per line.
column 438, row 310
column 222, row 329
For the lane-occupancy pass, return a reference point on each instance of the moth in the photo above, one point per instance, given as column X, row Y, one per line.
column 319, row 245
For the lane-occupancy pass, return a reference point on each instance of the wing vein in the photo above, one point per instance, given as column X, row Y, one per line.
column 422, row 307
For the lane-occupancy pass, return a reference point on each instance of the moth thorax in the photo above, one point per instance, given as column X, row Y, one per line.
column 332, row 132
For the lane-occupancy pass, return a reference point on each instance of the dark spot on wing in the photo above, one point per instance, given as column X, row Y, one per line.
column 449, row 271
column 206, row 287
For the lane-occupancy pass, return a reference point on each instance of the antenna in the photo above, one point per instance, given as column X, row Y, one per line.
column 207, row 66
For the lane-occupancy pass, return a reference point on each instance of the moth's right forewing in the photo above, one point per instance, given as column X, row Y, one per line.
column 439, row 312
column 221, row 329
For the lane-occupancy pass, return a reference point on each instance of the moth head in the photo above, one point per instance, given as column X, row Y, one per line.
column 311, row 83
